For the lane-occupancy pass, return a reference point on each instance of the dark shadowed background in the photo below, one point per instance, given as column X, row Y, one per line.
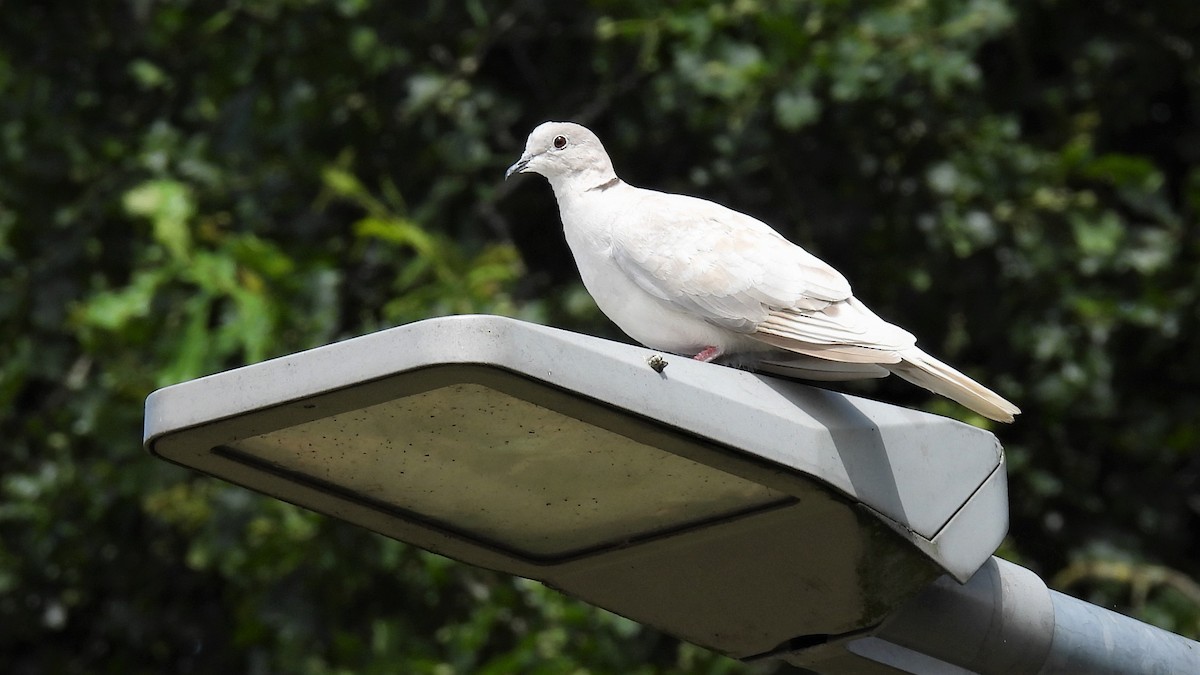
column 187, row 186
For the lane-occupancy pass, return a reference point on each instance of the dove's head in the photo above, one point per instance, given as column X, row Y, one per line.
column 565, row 152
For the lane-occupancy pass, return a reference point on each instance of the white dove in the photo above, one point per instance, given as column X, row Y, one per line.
column 688, row 276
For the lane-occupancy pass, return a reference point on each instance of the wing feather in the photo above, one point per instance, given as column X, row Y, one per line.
column 728, row 268
column 736, row 272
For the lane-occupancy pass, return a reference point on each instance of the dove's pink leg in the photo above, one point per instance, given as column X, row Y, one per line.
column 708, row 354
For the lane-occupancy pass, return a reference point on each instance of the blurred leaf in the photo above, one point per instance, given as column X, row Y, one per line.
column 169, row 205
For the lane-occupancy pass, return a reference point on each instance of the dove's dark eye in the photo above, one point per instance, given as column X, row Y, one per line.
column 560, row 142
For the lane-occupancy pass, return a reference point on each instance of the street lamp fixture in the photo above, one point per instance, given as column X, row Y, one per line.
column 740, row 512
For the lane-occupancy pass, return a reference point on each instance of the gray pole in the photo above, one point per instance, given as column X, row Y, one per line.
column 1091, row 639
column 1005, row 620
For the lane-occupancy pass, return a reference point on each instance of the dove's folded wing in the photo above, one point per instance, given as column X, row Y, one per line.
column 737, row 272
column 724, row 266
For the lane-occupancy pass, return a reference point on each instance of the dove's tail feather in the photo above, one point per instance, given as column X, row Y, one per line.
column 925, row 371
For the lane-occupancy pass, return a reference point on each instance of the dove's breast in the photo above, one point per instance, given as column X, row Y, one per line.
column 651, row 321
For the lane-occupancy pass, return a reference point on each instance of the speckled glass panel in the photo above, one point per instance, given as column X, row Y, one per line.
column 506, row 471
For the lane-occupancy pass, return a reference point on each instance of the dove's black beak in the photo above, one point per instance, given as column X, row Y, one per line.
column 519, row 167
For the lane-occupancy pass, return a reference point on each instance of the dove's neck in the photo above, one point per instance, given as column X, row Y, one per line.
column 596, row 178
column 588, row 204
column 585, row 200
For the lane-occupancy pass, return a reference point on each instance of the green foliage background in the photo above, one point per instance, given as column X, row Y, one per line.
column 186, row 186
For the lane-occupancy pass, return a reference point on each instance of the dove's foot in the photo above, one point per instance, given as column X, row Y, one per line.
column 708, row 354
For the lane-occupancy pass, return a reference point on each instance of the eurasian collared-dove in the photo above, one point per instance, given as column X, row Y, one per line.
column 688, row 276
